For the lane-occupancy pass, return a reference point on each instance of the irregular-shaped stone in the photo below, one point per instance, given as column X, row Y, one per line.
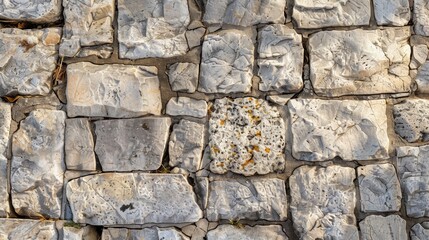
column 419, row 57
column 112, row 90
column 183, row 77
column 421, row 21
column 422, row 78
column 24, row 105
column 412, row 120
column 185, row 106
column 323, row 202
column 42, row 11
column 27, row 229
column 153, row 233
column 5, row 123
column 351, row 130
column 132, row 144
column 420, row 231
column 379, row 188
column 27, row 60
column 152, row 28
column 327, row 13
column 378, row 227
column 281, row 59
column 132, row 198
column 38, row 164
column 360, row 62
column 253, row 199
column 226, row 62
column 195, row 36
column 79, row 145
column 244, row 13
column 392, row 12
column 247, row 136
column 258, row 232
column 280, row 99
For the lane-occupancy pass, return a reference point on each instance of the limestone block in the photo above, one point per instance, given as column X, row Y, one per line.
column 184, row 106
column 5, row 124
column 42, row 11
column 420, row 54
column 27, row 229
column 183, row 77
column 412, row 120
column 80, row 233
column 79, row 145
column 420, row 231
column 392, row 12
column 258, row 232
column 420, row 19
column 422, row 78
column 153, row 233
column 378, row 227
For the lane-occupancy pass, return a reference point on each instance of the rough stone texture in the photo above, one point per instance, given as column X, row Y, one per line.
column 183, row 77
column 152, row 28
column 42, row 11
column 379, row 188
column 247, row 136
column 23, row 106
column 420, row 231
column 153, row 233
column 259, row 232
column 280, row 99
column 281, row 59
column 27, row 60
column 391, row 227
column 412, row 120
column 421, row 21
column 112, row 90
column 132, row 198
column 79, row 145
column 422, row 78
column 186, row 145
column 244, row 13
column 27, row 229
column 226, row 62
column 87, row 23
column 392, row 12
column 80, row 233
column 184, row 106
column 131, row 144
column 323, row 202
column 195, row 36
column 420, row 54
column 351, row 130
column 360, row 62
column 253, row 199
column 327, row 13
column 5, row 124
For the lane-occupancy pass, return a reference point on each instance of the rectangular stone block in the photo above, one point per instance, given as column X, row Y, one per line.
column 153, row 233
column 5, row 123
column 392, row 12
column 229, row 232
column 27, row 229
column 41, row 11
column 391, row 227
column 411, row 119
column 79, row 145
column 420, row 19
column 185, row 106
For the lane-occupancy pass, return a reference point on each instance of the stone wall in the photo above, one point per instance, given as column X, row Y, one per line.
column 214, row 119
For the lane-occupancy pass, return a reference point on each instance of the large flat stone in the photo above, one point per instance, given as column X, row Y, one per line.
column 27, row 229
column 112, row 90
column 323, row 202
column 420, row 231
column 258, row 232
column 27, row 60
column 360, row 62
column 131, row 144
column 246, row 136
column 412, row 120
column 149, row 28
column 79, row 145
column 153, row 233
column 351, row 130
column 420, row 19
column 5, row 124
column 392, row 227
column 392, row 12
column 42, row 11
column 132, row 198
column 38, row 164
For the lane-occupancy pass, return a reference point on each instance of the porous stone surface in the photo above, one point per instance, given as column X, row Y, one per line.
column 262, row 198
column 412, row 120
column 112, row 90
column 27, row 60
column 420, row 19
column 79, row 145
column 323, row 202
column 392, row 12
column 349, row 129
column 185, row 106
column 132, row 198
column 246, row 136
column 37, row 168
column 131, row 144
column 27, row 229
column 43, row 11
column 379, row 227
column 327, row 13
column 422, row 78
column 281, row 59
column 153, row 233
column 152, row 28
column 360, row 62
column 379, row 188
column 259, row 232
column 5, row 124
column 420, row 231
column 226, row 62
column 183, row 77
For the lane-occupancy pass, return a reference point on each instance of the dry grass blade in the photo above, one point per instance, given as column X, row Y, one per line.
column 11, row 99
column 59, row 72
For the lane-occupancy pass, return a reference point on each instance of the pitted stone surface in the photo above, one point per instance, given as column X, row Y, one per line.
column 420, row 231
column 132, row 198
column 87, row 23
column 244, row 13
column 112, row 90
column 360, row 62
column 152, row 28
column 325, row 129
column 327, row 13
column 247, row 136
column 253, row 199
column 226, row 62
column 144, row 234
column 379, row 188
column 79, row 145
column 184, row 106
column 422, row 78
column 38, row 164
column 281, row 59
column 421, row 21
column 392, row 12
column 5, row 123
column 323, row 202
column 27, row 229
column 259, row 232
column 42, row 11
column 183, row 77
column 131, row 144
column 27, row 60
column 378, row 227
column 412, row 120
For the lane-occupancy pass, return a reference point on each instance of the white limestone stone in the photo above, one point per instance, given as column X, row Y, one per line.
column 79, row 233
column 328, row 13
column 27, row 229
column 258, row 232
column 280, row 99
column 132, row 144
column 41, row 11
column 79, row 145
column 27, row 60
column 281, row 59
column 392, row 12
column 246, row 136
column 38, row 164
column 185, row 106
column 153, row 233
column 422, row 78
column 420, row 231
column 420, row 19
column 349, row 129
column 360, row 62
column 132, row 198
column 112, row 90
column 412, row 120
column 420, row 54
column 183, row 77
column 323, row 202
column 5, row 124
column 375, row 227
column 152, row 28
column 226, row 62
